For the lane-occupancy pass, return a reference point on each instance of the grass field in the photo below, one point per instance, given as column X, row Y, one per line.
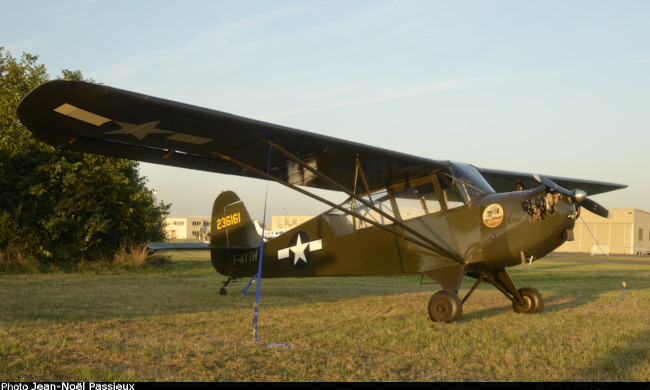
column 170, row 324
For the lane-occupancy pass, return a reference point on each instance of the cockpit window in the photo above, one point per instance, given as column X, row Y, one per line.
column 462, row 184
column 416, row 197
column 411, row 198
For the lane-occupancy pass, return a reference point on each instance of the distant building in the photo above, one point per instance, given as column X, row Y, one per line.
column 187, row 227
column 288, row 222
column 628, row 232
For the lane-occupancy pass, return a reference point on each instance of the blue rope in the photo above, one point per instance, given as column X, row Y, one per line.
column 259, row 267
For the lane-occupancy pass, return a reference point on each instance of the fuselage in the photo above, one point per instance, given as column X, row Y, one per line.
column 491, row 231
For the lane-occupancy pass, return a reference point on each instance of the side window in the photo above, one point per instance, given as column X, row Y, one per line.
column 451, row 196
column 416, row 197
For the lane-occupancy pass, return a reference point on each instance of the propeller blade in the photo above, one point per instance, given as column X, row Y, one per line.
column 578, row 196
column 552, row 185
column 596, row 208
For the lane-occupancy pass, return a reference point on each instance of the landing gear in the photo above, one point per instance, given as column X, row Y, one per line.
column 524, row 300
column 533, row 301
column 445, row 306
column 222, row 290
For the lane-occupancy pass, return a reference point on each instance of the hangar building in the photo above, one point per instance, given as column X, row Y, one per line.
column 628, row 232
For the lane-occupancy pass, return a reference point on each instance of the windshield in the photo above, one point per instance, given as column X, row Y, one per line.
column 465, row 182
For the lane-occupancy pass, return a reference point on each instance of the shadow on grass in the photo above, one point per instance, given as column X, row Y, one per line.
column 565, row 293
column 629, row 362
column 549, row 306
column 192, row 286
column 75, row 297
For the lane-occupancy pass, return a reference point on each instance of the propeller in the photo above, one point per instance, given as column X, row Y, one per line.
column 578, row 196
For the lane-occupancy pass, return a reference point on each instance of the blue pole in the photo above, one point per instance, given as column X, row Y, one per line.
column 259, row 266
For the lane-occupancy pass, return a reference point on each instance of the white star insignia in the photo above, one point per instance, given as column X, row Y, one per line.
column 298, row 250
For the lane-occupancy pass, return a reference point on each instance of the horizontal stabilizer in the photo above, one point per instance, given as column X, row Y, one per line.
column 180, row 246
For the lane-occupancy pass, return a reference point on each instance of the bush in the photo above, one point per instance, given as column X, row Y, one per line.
column 63, row 208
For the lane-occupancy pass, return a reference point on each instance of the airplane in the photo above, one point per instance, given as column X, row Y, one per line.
column 405, row 215
column 265, row 233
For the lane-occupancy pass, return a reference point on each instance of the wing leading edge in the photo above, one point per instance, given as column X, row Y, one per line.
column 93, row 118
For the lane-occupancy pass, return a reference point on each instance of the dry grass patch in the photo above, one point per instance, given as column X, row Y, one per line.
column 15, row 260
column 132, row 255
column 174, row 326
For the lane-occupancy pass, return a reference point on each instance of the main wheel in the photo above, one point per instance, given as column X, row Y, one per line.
column 533, row 301
column 445, row 306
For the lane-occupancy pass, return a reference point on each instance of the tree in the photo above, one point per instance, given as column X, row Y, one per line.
column 58, row 206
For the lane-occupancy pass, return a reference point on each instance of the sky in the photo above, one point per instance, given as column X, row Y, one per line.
column 551, row 87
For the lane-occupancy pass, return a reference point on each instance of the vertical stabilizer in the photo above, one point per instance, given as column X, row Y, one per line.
column 232, row 227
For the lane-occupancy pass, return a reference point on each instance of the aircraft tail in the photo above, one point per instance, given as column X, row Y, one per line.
column 232, row 226
column 258, row 228
column 234, row 241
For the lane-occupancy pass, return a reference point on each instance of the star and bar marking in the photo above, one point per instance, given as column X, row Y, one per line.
column 139, row 131
column 301, row 247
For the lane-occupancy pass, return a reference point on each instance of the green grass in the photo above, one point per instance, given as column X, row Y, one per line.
column 168, row 323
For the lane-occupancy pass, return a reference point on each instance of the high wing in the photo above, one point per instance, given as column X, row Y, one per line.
column 79, row 116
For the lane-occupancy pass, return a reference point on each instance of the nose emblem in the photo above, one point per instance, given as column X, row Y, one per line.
column 493, row 215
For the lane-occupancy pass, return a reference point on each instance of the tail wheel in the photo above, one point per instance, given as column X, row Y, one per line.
column 533, row 301
column 445, row 306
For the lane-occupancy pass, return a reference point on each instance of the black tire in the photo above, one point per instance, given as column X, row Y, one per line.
column 533, row 301
column 445, row 306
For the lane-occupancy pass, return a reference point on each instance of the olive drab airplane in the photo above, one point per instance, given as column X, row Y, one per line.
column 404, row 215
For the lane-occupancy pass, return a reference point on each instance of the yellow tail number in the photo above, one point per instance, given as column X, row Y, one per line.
column 229, row 220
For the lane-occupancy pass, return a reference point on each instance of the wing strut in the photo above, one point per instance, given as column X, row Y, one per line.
column 422, row 241
column 358, row 171
column 363, row 178
column 356, row 197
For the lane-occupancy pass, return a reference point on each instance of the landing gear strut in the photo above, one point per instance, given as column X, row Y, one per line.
column 524, row 300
